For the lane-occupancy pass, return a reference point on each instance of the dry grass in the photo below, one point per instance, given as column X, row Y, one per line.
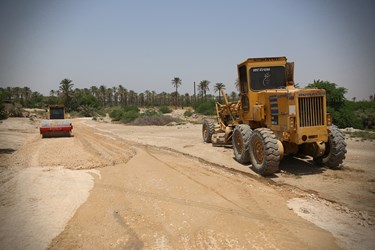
column 157, row 120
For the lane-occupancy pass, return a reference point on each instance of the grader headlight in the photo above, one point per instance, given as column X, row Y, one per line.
column 292, row 122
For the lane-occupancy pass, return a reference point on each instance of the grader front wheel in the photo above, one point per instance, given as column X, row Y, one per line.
column 264, row 151
column 335, row 149
column 208, row 129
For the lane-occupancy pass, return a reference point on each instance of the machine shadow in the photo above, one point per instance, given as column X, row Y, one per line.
column 7, row 151
column 300, row 166
column 294, row 166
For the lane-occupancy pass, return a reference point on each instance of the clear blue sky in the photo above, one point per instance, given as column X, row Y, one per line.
column 144, row 44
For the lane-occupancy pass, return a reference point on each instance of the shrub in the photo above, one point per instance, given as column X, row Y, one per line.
column 188, row 113
column 131, row 108
column 206, row 108
column 365, row 135
column 3, row 113
column 101, row 112
column 87, row 110
column 150, row 112
column 129, row 116
column 73, row 114
column 165, row 110
column 116, row 114
column 158, row 120
column 124, row 114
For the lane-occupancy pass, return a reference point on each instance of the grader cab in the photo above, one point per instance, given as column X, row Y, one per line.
column 273, row 118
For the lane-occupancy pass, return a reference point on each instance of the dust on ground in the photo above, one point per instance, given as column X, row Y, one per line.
column 116, row 186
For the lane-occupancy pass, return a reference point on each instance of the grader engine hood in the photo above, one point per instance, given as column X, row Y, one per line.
column 311, row 108
column 299, row 114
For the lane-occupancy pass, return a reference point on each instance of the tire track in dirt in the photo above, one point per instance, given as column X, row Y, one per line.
column 113, row 151
column 34, row 159
column 192, row 179
column 261, row 215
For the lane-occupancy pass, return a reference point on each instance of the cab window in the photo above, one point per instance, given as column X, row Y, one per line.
column 262, row 78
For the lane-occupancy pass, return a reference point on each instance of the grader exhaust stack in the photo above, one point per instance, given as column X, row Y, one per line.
column 273, row 118
column 56, row 125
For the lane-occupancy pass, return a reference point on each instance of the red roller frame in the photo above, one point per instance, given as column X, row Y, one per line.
column 56, row 129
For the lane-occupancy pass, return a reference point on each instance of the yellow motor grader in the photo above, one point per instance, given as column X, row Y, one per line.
column 273, row 118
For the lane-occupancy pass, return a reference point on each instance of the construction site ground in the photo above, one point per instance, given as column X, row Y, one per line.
column 133, row 187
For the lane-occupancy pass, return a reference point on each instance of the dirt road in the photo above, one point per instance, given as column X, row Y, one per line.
column 112, row 186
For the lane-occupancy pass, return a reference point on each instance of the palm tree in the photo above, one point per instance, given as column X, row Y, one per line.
column 102, row 94
column 187, row 99
column 153, row 95
column 233, row 96
column 109, row 94
column 132, row 97
column 94, row 91
column 203, row 88
column 147, row 94
column 16, row 93
column 123, row 93
column 27, row 94
column 141, row 99
column 176, row 82
column 86, row 91
column 115, row 95
column 8, row 93
column 237, row 84
column 218, row 87
column 66, row 88
column 164, row 98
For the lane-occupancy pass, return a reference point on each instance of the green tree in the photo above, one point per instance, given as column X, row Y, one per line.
column 237, row 84
column 132, row 98
column 187, row 99
column 3, row 112
column 342, row 114
column 153, row 97
column 335, row 94
column 103, row 95
column 37, row 100
column 16, row 94
column 123, row 94
column 148, row 98
column 176, row 82
column 94, row 91
column 203, row 88
column 218, row 87
column 26, row 95
column 66, row 87
column 115, row 95
column 109, row 96
column 233, row 96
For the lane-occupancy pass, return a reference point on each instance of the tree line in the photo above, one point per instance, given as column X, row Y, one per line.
column 345, row 113
column 97, row 97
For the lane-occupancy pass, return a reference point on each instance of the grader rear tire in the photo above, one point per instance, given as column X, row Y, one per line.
column 208, row 129
column 240, row 142
column 264, row 151
column 335, row 149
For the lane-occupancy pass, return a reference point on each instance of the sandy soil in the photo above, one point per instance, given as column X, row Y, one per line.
column 116, row 186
